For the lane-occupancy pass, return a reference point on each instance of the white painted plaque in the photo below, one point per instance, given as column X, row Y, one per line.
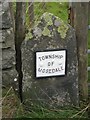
column 50, row 63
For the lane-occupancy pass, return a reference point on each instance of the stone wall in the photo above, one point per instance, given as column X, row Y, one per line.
column 8, row 49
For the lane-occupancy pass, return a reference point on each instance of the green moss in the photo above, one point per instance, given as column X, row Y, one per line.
column 62, row 29
column 46, row 32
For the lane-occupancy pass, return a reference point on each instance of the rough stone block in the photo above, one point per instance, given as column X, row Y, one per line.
column 50, row 33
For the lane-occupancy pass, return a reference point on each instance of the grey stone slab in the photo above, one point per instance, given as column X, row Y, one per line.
column 50, row 33
column 6, row 17
column 6, row 20
column 8, row 58
column 7, row 38
column 8, row 77
column 9, row 72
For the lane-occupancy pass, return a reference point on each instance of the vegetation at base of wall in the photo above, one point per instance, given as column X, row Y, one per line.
column 12, row 108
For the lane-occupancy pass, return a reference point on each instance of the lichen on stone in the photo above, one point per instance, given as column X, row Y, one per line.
column 36, row 23
column 57, row 22
column 62, row 29
column 37, row 32
column 48, row 18
column 29, row 35
column 46, row 32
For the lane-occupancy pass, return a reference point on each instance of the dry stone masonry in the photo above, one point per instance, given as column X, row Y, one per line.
column 50, row 33
column 8, row 49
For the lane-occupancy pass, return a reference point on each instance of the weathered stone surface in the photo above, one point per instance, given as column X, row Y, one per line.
column 7, row 38
column 8, row 51
column 8, row 76
column 50, row 33
column 6, row 18
column 8, row 58
column 7, row 46
column 8, row 66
